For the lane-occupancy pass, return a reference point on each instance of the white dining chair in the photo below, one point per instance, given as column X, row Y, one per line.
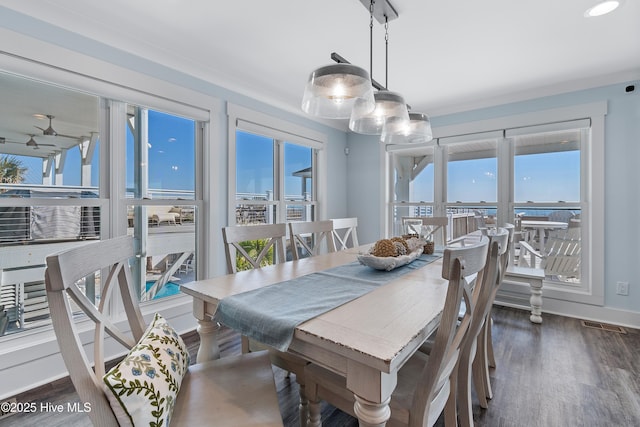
column 271, row 249
column 311, row 238
column 154, row 383
column 345, row 233
column 434, row 226
column 472, row 363
column 487, row 357
column 267, row 241
column 426, row 384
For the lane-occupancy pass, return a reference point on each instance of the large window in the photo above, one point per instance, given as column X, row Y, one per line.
column 53, row 197
column 545, row 178
column 276, row 171
column 49, row 193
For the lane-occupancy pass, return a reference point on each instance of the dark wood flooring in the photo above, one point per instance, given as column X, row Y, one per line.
column 560, row 373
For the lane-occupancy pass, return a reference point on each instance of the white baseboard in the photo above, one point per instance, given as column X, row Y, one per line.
column 518, row 297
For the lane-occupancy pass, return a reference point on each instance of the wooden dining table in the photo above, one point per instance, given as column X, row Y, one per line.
column 367, row 340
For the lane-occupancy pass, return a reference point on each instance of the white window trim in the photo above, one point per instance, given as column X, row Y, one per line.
column 241, row 118
column 592, row 170
column 35, row 353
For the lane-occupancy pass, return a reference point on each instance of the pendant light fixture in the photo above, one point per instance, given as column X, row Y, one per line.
column 390, row 106
column 416, row 131
column 333, row 90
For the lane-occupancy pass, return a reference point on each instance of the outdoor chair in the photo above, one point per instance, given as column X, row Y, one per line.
column 560, row 258
column 154, row 384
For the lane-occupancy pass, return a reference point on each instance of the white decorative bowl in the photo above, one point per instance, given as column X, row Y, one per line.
column 390, row 262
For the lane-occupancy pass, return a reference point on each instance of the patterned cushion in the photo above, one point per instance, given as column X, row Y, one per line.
column 142, row 388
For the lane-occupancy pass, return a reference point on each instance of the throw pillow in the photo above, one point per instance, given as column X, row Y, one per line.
column 143, row 387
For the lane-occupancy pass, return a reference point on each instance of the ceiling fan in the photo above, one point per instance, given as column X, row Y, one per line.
column 30, row 143
column 51, row 132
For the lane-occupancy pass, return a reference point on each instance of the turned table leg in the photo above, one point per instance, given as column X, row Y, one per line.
column 536, row 301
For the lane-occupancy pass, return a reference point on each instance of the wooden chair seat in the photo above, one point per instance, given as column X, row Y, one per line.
column 222, row 393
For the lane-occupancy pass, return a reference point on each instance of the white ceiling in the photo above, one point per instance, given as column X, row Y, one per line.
column 444, row 56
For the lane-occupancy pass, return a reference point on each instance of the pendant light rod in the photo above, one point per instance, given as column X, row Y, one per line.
column 340, row 60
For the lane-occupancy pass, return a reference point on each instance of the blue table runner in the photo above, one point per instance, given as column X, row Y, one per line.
column 270, row 314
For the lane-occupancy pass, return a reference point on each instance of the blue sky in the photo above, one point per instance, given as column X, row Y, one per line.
column 254, row 164
column 538, row 177
column 547, row 177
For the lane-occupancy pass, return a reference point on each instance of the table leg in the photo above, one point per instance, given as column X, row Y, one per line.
column 208, row 331
column 372, row 414
column 536, row 301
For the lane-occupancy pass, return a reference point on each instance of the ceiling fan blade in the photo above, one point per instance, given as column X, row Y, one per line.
column 68, row 136
column 38, row 127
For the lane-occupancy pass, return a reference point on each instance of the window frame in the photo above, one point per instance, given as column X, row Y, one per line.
column 592, row 185
column 281, row 131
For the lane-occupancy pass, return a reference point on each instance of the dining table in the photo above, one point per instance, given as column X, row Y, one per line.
column 366, row 339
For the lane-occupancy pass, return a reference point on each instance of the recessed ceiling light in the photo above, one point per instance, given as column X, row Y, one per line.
column 602, row 8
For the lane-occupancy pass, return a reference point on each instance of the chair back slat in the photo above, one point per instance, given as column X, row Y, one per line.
column 345, row 231
column 312, row 237
column 272, row 234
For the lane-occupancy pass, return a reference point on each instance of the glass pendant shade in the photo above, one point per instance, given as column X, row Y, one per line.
column 389, row 106
column 417, row 130
column 333, row 90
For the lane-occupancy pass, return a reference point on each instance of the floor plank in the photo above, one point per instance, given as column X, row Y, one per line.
column 559, row 373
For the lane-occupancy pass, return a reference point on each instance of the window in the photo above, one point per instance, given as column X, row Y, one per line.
column 160, row 165
column 527, row 172
column 276, row 168
column 49, row 192
column 413, row 184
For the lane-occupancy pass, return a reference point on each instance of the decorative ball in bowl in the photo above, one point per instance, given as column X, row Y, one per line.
column 388, row 254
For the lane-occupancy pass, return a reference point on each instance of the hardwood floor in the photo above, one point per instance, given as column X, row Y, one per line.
column 560, row 373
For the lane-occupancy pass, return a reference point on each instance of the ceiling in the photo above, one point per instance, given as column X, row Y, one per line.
column 444, row 56
column 24, row 103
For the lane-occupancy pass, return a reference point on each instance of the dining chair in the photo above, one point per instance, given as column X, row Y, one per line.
column 311, row 238
column 436, row 226
column 345, row 233
column 272, row 238
column 471, row 365
column 256, row 245
column 154, row 384
column 487, row 356
column 426, row 384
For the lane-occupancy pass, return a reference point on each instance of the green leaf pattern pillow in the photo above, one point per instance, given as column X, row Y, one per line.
column 143, row 387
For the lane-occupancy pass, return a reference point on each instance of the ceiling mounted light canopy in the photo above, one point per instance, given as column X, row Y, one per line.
column 416, row 131
column 333, row 90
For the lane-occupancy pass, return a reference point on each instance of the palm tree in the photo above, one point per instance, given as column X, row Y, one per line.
column 12, row 171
